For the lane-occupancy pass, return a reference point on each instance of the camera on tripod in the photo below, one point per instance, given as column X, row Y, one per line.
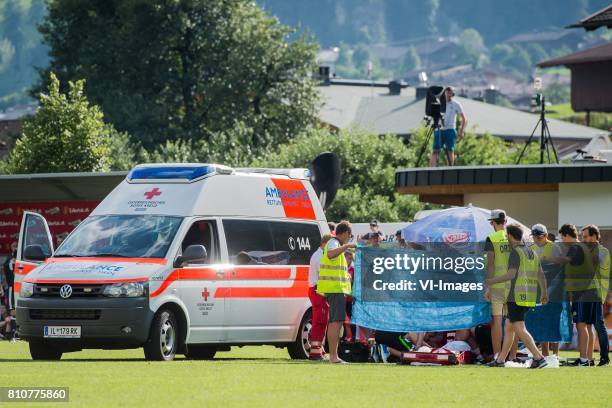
column 435, row 105
column 435, row 108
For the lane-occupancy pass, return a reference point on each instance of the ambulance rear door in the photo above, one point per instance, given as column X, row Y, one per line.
column 35, row 245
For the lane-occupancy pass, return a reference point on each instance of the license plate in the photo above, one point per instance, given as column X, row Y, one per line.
column 70, row 332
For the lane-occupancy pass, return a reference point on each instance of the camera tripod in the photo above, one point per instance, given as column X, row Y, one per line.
column 546, row 141
column 433, row 125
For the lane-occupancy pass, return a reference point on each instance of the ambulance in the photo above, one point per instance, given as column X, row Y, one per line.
column 178, row 259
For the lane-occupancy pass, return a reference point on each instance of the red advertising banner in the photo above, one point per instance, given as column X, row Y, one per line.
column 62, row 217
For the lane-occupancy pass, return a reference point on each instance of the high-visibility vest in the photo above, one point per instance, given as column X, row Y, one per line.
column 333, row 274
column 544, row 251
column 603, row 272
column 581, row 277
column 501, row 249
column 526, row 283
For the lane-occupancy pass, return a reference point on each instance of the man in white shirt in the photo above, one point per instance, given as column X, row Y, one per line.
column 320, row 308
column 447, row 135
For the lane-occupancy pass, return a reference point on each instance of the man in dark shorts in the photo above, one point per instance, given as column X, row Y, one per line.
column 335, row 284
column 580, row 264
column 525, row 275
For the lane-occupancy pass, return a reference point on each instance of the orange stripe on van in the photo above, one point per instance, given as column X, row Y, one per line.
column 26, row 268
column 185, row 274
column 157, row 261
column 298, row 206
column 298, row 289
column 86, row 281
column 171, row 278
column 197, row 274
column 16, row 287
column 261, row 273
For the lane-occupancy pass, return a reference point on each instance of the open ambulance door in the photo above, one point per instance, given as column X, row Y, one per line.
column 35, row 245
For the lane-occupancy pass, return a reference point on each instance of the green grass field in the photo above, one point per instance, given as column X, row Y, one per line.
column 264, row 376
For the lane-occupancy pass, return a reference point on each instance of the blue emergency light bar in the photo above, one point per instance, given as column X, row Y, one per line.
column 170, row 172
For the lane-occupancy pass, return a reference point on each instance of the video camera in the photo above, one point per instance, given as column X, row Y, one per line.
column 435, row 104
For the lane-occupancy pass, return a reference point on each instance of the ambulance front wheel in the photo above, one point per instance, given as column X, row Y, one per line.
column 300, row 348
column 163, row 338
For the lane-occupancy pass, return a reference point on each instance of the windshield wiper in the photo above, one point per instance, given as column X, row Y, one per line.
column 67, row 256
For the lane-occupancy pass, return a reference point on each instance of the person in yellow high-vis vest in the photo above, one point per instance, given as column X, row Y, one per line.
column 524, row 274
column 580, row 265
column 334, row 283
column 590, row 236
column 498, row 250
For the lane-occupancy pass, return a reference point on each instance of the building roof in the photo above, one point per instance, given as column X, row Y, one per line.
column 388, row 52
column 595, row 54
column 541, row 36
column 598, row 19
column 473, row 179
column 58, row 186
column 18, row 112
column 375, row 110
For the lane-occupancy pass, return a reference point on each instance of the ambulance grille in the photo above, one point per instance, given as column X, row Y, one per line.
column 65, row 314
column 78, row 290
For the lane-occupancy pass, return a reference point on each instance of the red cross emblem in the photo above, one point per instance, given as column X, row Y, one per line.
column 205, row 294
column 150, row 194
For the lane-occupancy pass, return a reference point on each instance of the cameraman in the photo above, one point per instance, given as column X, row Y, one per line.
column 448, row 135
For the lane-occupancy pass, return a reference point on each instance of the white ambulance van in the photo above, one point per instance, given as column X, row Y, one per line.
column 178, row 259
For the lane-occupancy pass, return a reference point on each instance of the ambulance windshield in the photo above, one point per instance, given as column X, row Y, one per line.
column 124, row 236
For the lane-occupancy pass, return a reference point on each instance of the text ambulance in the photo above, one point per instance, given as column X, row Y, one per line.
column 178, row 259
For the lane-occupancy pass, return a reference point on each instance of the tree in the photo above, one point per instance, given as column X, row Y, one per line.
column 471, row 48
column 537, row 52
column 502, row 53
column 66, row 134
column 362, row 57
column 557, row 93
column 411, row 61
column 186, row 69
column 7, row 51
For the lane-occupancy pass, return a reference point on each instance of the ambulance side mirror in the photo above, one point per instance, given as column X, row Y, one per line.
column 34, row 253
column 193, row 254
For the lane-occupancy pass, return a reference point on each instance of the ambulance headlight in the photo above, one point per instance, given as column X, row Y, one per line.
column 126, row 289
column 27, row 290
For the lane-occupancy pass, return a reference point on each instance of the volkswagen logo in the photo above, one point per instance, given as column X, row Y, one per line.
column 66, row 291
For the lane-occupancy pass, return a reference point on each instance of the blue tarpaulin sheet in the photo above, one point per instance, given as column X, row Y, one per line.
column 414, row 316
column 550, row 322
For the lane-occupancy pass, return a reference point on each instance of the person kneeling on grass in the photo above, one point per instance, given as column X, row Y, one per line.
column 525, row 274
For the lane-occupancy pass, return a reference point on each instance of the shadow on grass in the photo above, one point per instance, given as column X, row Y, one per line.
column 141, row 360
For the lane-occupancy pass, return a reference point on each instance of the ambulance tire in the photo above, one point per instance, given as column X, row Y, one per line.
column 200, row 352
column 42, row 350
column 164, row 337
column 300, row 348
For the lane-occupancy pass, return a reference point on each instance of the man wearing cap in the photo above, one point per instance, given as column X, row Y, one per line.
column 547, row 250
column 498, row 251
column 374, row 227
column 334, row 282
column 590, row 236
column 447, row 136
column 525, row 276
column 580, row 264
